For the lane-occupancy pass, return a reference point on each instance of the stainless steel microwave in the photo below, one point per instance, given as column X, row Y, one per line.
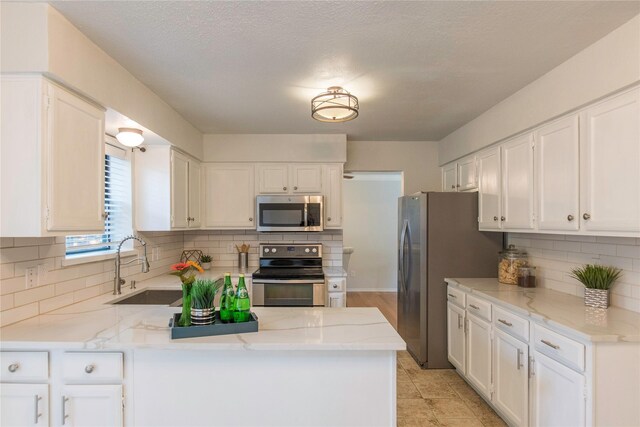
column 289, row 213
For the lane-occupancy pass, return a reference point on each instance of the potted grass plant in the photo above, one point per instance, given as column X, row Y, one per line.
column 205, row 261
column 203, row 293
column 597, row 280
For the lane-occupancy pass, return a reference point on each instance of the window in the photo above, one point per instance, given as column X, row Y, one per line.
column 117, row 205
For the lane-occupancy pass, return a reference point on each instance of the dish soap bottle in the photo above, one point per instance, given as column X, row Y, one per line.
column 227, row 299
column 241, row 305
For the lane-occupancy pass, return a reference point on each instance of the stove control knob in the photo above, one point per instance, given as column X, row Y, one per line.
column 306, row 250
column 314, row 250
column 273, row 250
column 266, row 250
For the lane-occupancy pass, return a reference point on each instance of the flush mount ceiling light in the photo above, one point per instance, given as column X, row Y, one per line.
column 130, row 137
column 334, row 106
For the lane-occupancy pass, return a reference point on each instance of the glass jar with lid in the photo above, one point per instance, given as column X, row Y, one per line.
column 509, row 261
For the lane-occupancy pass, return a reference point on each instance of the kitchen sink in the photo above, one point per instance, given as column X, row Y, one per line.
column 171, row 297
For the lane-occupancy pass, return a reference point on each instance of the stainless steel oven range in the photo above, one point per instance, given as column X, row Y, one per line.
column 289, row 275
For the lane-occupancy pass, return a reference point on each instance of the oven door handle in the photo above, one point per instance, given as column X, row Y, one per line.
column 296, row 281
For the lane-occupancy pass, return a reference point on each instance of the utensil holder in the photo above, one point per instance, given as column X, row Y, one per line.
column 243, row 260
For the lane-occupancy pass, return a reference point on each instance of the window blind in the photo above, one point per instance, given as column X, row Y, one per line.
column 117, row 204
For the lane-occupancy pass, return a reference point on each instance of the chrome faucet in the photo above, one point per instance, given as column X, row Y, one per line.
column 118, row 281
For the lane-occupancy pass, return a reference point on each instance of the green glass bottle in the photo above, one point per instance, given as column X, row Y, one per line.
column 241, row 305
column 226, row 300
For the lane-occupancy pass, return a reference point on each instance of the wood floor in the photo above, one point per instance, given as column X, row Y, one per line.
column 385, row 301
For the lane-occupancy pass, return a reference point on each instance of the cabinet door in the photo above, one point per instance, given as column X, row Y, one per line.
column 489, row 191
column 449, row 176
column 558, row 394
column 333, row 196
column 336, row 299
column 479, row 354
column 273, row 178
column 467, row 178
column 557, row 175
column 517, row 183
column 306, row 178
column 610, row 167
column 179, row 190
column 455, row 336
column 24, row 405
column 194, row 194
column 75, row 163
column 91, row 405
column 229, row 196
column 511, row 377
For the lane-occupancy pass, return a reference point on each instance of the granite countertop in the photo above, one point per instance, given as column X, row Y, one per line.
column 558, row 310
column 96, row 324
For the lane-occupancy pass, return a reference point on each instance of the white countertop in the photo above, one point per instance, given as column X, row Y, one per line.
column 559, row 310
column 95, row 324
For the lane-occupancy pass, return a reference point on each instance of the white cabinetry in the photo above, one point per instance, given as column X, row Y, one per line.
column 610, row 165
column 278, row 178
column 91, row 405
column 489, row 189
column 558, row 394
column 557, row 174
column 479, row 353
column 449, row 177
column 460, row 175
column 54, row 141
column 510, row 377
column 167, row 190
column 24, row 405
column 336, row 292
column 229, row 195
column 517, row 183
column 332, row 190
column 456, row 336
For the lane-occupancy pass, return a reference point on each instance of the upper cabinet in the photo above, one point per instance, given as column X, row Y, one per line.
column 279, row 178
column 610, row 165
column 461, row 175
column 449, row 177
column 53, row 140
column 167, row 190
column 332, row 189
column 229, row 195
column 489, row 189
column 557, row 174
column 517, row 183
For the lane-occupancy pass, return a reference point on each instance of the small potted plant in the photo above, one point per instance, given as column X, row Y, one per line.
column 597, row 280
column 205, row 261
column 203, row 292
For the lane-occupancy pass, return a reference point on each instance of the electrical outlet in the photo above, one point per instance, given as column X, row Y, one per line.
column 31, row 277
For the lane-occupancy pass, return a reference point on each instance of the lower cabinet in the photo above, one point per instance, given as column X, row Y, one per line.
column 558, row 394
column 336, row 292
column 510, row 377
column 91, row 405
column 456, row 336
column 479, row 354
column 24, row 405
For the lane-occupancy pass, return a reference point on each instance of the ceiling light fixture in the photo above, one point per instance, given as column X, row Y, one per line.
column 130, row 137
column 334, row 106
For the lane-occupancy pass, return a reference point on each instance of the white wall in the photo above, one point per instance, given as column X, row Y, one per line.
column 37, row 38
column 417, row 159
column 370, row 228
column 327, row 148
column 610, row 64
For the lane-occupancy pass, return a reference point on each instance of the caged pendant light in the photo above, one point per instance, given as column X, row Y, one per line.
column 334, row 106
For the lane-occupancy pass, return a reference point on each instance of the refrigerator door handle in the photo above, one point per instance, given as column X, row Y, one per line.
column 407, row 276
column 403, row 236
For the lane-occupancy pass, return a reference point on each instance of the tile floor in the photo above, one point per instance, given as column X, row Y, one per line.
column 438, row 398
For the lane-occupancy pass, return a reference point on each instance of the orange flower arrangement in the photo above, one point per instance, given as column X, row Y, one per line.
column 186, row 272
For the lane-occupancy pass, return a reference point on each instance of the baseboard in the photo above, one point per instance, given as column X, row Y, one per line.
column 371, row 289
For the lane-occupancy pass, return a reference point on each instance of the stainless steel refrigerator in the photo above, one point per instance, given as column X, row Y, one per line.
column 438, row 237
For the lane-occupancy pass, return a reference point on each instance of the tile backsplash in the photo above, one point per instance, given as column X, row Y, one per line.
column 60, row 285
column 556, row 255
column 221, row 245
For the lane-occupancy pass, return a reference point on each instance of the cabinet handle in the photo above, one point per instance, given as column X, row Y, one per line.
column 459, row 322
column 453, row 186
column 504, row 322
column 519, row 361
column 457, row 185
column 105, row 215
column 14, row 367
column 569, row 218
column 335, row 286
column 586, row 216
column 495, row 218
column 553, row 346
column 89, row 368
column 65, row 399
column 329, row 219
column 284, row 188
column 502, row 218
column 452, row 296
column 250, row 219
column 295, row 188
column 37, row 413
column 474, row 306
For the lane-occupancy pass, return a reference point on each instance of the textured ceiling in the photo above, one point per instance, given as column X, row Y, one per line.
column 420, row 69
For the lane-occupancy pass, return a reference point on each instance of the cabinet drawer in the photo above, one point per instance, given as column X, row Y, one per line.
column 24, row 366
column 479, row 307
column 336, row 285
column 559, row 347
column 93, row 367
column 456, row 296
column 511, row 323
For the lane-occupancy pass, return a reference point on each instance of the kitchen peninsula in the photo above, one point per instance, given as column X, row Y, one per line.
column 337, row 364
